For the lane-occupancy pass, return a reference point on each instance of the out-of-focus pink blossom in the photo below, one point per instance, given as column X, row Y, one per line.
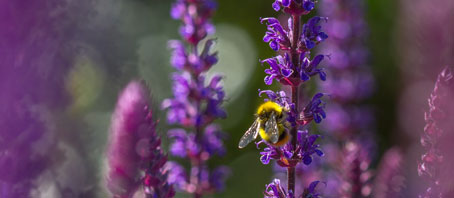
column 134, row 154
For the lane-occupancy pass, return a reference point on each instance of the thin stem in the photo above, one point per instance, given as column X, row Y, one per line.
column 291, row 170
column 295, row 60
column 198, row 163
column 295, row 39
column 291, row 179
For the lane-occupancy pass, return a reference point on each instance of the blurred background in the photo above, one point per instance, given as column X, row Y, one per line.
column 64, row 62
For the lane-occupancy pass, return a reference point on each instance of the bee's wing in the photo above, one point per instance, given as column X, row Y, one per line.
column 250, row 135
column 271, row 128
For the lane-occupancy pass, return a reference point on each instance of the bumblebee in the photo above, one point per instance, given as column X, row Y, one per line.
column 269, row 124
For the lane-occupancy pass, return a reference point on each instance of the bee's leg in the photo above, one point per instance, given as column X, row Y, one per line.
column 287, row 124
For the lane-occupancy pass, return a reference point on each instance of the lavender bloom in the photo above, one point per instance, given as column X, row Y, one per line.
column 389, row 180
column 294, row 67
column 437, row 136
column 134, row 155
column 196, row 102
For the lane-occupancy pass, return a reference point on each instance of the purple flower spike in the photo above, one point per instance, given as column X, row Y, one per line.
column 438, row 136
column 135, row 157
column 196, row 103
column 292, row 68
column 350, row 83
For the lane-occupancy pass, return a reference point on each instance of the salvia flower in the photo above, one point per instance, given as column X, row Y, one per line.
column 134, row 155
column 287, row 156
column 196, row 102
column 314, row 110
column 281, row 69
column 438, row 135
column 293, row 67
column 275, row 190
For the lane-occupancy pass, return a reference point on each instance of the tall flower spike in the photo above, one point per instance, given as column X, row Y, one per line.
column 389, row 180
column 196, row 103
column 135, row 157
column 437, row 137
column 292, row 68
column 349, row 86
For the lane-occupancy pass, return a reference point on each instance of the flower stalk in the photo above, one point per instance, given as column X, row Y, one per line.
column 293, row 68
column 197, row 101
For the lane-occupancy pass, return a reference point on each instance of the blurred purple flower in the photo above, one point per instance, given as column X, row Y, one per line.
column 34, row 61
column 196, row 17
column 134, row 154
column 350, row 84
column 351, row 80
column 389, row 180
column 437, row 137
column 196, row 101
column 356, row 176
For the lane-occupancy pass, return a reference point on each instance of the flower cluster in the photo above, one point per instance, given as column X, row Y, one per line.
column 135, row 157
column 196, row 101
column 287, row 156
column 275, row 190
column 196, row 17
column 293, row 67
column 285, row 69
column 438, row 134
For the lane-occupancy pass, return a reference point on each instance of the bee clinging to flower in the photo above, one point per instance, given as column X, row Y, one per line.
column 269, row 124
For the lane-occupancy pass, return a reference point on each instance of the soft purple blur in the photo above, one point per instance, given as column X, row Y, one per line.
column 389, row 180
column 134, row 155
column 33, row 64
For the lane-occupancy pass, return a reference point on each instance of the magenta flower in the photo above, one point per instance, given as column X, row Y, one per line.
column 134, row 155
column 437, row 137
